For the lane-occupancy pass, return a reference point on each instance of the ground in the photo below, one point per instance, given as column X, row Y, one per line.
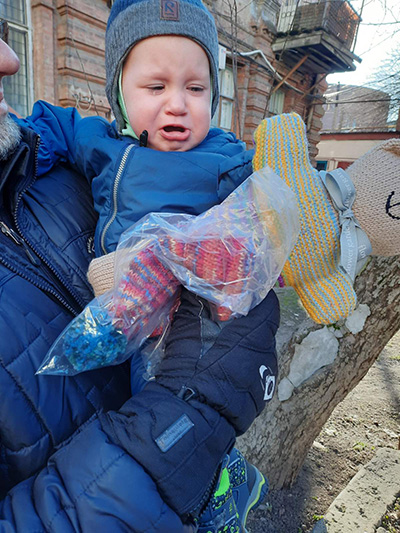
column 391, row 520
column 368, row 418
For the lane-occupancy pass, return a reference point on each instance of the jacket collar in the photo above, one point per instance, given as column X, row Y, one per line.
column 17, row 173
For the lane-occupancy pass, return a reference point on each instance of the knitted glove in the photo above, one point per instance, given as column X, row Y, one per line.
column 101, row 273
column 219, row 262
column 225, row 264
column 145, row 287
column 323, row 263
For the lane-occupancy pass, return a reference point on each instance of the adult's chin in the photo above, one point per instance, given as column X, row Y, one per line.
column 10, row 135
column 3, row 109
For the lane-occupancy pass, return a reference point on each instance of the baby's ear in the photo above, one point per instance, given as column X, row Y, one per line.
column 376, row 177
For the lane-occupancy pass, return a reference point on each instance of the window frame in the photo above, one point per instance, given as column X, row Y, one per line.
column 4, row 31
column 275, row 111
column 27, row 30
column 216, row 121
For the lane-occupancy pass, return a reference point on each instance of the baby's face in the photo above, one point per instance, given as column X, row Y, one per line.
column 167, row 91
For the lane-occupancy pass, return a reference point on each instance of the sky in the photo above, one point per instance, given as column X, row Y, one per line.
column 374, row 42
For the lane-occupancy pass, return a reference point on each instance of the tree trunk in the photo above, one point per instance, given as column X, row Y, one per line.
column 281, row 437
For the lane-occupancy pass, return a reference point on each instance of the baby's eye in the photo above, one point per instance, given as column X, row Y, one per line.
column 156, row 88
column 196, row 89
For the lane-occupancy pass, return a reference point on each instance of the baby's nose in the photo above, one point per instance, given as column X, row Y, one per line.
column 177, row 102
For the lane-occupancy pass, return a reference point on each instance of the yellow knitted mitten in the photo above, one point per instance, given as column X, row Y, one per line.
column 312, row 268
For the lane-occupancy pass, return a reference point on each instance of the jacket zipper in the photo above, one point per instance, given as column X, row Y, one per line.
column 39, row 286
column 115, row 191
column 36, row 258
column 197, row 511
column 9, row 232
column 33, row 258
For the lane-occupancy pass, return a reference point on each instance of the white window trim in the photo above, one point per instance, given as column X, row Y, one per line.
column 29, row 58
column 281, row 94
column 223, row 97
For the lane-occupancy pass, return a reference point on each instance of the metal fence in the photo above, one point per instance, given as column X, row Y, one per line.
column 336, row 17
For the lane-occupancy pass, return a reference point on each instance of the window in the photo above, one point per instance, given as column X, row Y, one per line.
column 276, row 101
column 16, row 88
column 322, row 165
column 223, row 115
column 344, row 164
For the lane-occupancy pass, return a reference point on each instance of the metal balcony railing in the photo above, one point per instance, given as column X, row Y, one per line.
column 336, row 17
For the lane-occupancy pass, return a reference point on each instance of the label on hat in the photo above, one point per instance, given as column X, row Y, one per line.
column 169, row 10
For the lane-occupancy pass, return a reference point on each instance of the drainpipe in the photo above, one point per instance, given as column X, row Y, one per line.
column 398, row 121
column 335, row 109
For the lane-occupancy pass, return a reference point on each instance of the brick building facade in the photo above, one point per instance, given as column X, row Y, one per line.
column 356, row 119
column 350, row 108
column 63, row 60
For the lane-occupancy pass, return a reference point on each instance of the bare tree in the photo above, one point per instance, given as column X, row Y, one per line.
column 386, row 78
column 281, row 437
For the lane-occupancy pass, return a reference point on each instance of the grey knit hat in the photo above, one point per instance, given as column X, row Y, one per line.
column 130, row 21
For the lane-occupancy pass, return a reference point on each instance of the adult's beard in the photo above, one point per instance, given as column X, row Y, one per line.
column 10, row 136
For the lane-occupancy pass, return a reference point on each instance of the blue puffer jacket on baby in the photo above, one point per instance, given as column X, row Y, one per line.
column 129, row 181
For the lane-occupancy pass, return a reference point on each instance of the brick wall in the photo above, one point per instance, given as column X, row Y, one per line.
column 68, row 47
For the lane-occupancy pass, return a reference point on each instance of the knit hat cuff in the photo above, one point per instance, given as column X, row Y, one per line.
column 101, row 273
column 127, row 129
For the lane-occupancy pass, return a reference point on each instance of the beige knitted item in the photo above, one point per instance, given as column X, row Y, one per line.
column 376, row 178
column 101, row 273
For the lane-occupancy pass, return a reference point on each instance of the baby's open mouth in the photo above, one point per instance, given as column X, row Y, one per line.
column 174, row 128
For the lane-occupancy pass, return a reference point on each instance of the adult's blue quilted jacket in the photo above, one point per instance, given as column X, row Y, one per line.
column 91, row 484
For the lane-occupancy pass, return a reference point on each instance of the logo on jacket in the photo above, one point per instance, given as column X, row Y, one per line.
column 90, row 245
column 267, row 381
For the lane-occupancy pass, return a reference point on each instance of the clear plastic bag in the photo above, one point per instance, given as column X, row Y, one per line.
column 230, row 255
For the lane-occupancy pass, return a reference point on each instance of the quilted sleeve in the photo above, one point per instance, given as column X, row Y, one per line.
column 233, row 171
column 64, row 136
column 89, row 484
